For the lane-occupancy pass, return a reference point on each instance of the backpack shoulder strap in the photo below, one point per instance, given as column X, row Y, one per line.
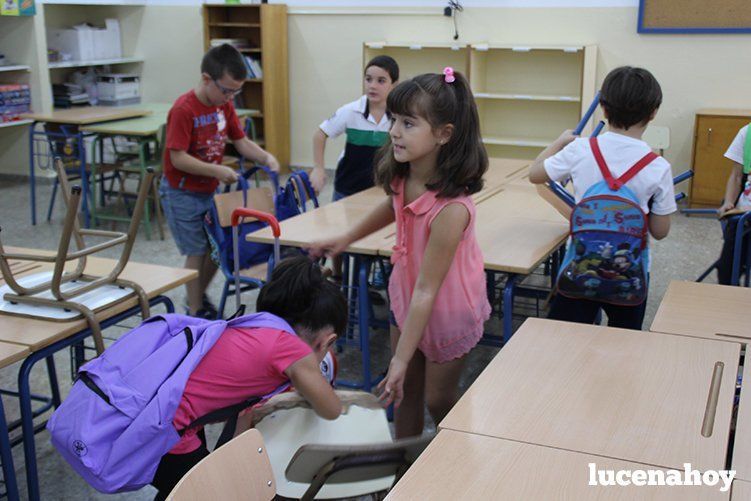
column 613, row 183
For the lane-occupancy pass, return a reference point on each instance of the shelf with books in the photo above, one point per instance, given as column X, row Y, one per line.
column 259, row 33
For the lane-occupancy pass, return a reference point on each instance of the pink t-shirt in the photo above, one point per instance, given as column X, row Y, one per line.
column 461, row 306
column 243, row 363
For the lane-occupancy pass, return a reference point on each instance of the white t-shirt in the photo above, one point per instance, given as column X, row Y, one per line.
column 735, row 153
column 577, row 162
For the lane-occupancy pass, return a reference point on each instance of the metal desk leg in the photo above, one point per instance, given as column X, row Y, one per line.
column 84, row 179
column 6, row 455
column 363, row 301
column 24, row 389
column 508, row 307
column 32, row 177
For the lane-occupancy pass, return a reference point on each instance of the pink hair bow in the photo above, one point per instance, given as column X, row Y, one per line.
column 448, row 74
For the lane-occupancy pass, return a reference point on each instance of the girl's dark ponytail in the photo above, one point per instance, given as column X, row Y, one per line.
column 298, row 293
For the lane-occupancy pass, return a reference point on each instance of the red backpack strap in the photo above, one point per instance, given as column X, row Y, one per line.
column 613, row 183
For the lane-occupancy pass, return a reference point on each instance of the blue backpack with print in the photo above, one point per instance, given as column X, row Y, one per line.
column 608, row 257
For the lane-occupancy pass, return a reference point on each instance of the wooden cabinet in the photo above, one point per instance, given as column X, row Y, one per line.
column 263, row 30
column 526, row 95
column 714, row 130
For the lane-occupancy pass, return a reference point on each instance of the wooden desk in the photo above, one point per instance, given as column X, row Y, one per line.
column 501, row 171
column 37, row 333
column 41, row 339
column 705, row 310
column 466, row 466
column 623, row 394
column 88, row 115
column 516, row 229
column 742, row 444
column 145, row 126
column 741, row 490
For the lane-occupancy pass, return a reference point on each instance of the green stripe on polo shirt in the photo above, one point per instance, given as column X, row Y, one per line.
column 373, row 138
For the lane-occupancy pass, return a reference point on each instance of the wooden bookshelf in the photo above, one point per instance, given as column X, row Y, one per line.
column 264, row 26
column 526, row 95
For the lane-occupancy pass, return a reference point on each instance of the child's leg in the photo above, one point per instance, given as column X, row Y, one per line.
column 194, row 288
column 442, row 386
column 725, row 263
column 573, row 310
column 625, row 317
column 207, row 272
column 409, row 418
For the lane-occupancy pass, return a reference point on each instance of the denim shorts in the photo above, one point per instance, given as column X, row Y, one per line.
column 185, row 211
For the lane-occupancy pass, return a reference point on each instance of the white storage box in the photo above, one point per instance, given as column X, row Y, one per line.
column 118, row 87
column 86, row 43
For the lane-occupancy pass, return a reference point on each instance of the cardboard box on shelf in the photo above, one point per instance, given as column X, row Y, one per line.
column 86, row 43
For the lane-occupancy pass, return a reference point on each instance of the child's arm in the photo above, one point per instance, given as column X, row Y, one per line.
column 659, row 226
column 732, row 188
column 379, row 217
column 318, row 176
column 252, row 151
column 537, row 173
column 306, row 377
column 446, row 232
column 183, row 161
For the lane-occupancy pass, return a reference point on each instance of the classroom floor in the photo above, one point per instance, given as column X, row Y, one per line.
column 692, row 246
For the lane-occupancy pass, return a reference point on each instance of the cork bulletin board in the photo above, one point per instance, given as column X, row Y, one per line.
column 694, row 16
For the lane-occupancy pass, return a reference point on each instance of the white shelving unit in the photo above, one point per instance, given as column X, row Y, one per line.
column 14, row 67
column 526, row 95
column 96, row 62
column 416, row 58
column 15, row 123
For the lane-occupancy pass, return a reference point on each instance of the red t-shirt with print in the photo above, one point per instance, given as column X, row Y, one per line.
column 201, row 131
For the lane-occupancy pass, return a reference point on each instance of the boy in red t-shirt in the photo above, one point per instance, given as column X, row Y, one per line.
column 198, row 125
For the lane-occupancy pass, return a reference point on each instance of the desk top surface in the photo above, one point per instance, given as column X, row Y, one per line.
column 88, row 114
column 145, row 125
column 467, row 466
column 37, row 333
column 526, row 241
column 631, row 395
column 705, row 310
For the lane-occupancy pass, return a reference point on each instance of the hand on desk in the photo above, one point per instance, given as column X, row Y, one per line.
column 328, row 248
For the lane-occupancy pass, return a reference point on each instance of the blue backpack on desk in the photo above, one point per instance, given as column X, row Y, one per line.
column 608, row 255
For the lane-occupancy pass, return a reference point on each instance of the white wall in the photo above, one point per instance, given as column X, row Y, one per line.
column 325, row 54
column 695, row 71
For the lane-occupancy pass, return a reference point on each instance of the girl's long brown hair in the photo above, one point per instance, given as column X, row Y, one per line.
column 462, row 161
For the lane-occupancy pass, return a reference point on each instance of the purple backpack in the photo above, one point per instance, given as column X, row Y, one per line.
column 116, row 423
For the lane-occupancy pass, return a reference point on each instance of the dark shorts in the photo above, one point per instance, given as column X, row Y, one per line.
column 585, row 311
column 173, row 467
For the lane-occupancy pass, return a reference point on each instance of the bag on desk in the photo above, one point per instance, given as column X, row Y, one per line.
column 607, row 257
column 116, row 423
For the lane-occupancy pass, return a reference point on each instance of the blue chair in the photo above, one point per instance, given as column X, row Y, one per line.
column 282, row 203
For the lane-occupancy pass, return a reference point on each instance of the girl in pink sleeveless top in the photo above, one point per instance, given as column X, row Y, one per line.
column 433, row 163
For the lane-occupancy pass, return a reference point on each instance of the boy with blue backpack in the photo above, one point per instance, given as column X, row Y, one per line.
column 623, row 193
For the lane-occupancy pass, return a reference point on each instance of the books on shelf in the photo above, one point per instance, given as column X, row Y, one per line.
column 253, row 66
column 66, row 95
column 15, row 99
